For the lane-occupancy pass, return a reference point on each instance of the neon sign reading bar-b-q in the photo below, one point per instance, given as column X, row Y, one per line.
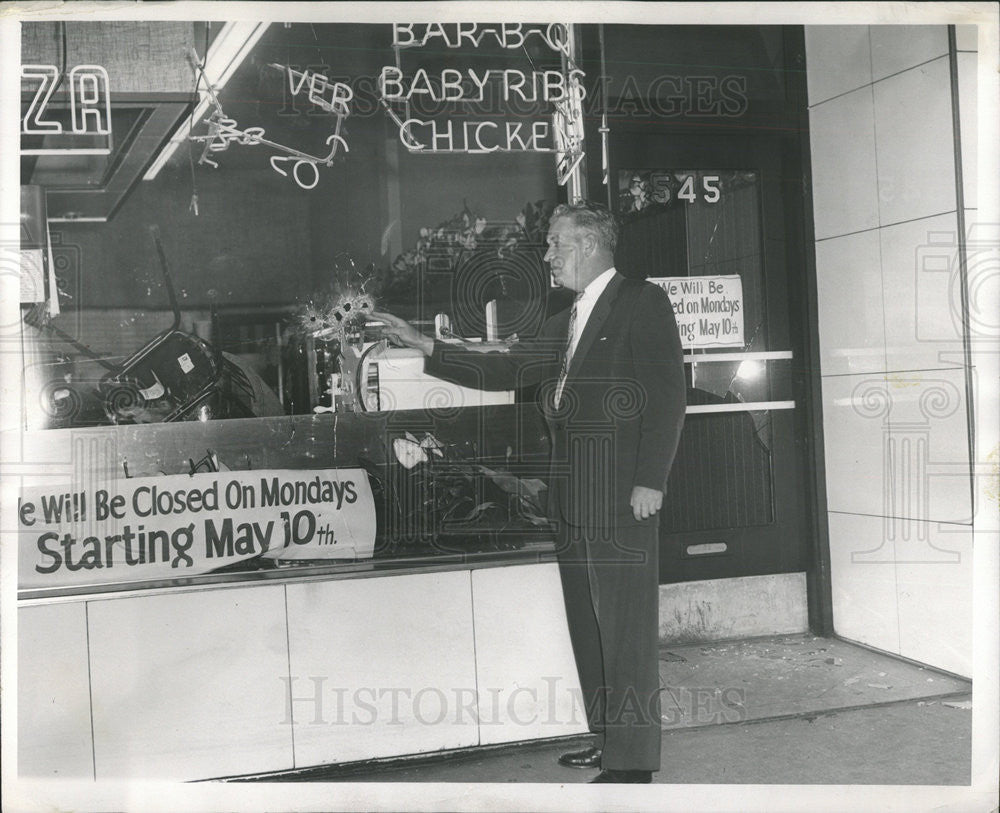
column 456, row 35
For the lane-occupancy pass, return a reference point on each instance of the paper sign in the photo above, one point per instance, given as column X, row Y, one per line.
column 182, row 525
column 709, row 310
column 32, row 275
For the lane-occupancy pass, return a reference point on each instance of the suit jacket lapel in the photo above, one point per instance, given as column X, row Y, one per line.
column 601, row 311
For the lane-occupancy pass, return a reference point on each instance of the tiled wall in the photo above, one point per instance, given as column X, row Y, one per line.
column 894, row 375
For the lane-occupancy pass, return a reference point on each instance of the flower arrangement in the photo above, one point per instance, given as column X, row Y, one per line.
column 332, row 313
column 446, row 243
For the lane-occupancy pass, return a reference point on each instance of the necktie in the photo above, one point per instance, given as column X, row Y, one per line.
column 567, row 355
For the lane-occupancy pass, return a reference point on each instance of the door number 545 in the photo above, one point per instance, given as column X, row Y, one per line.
column 661, row 183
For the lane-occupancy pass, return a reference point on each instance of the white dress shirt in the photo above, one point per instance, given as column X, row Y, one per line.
column 585, row 304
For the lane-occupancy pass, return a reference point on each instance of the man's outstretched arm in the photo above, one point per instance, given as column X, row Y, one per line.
column 524, row 364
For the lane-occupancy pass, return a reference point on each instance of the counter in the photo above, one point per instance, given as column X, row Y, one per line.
column 292, row 666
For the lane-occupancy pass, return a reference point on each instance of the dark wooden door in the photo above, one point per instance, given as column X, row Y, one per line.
column 699, row 208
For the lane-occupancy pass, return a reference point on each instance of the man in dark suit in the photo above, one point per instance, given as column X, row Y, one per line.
column 612, row 390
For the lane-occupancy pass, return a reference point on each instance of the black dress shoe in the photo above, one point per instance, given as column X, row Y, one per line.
column 587, row 758
column 624, row 777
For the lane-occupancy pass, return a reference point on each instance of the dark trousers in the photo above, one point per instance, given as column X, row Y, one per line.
column 610, row 583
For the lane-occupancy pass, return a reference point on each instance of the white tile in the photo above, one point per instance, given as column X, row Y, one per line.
column 53, row 693
column 842, row 138
column 967, row 107
column 898, row 47
column 856, row 433
column 914, row 144
column 525, row 671
column 392, row 662
column 863, row 581
column 967, row 37
column 838, row 59
column 851, row 313
column 190, row 685
column 929, row 446
column 934, row 584
column 922, row 294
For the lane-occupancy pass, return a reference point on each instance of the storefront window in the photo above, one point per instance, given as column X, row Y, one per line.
column 255, row 235
column 204, row 235
column 331, row 170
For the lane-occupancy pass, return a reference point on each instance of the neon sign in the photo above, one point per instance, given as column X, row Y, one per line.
column 89, row 105
column 562, row 134
column 506, row 35
column 547, row 86
column 340, row 94
column 334, row 97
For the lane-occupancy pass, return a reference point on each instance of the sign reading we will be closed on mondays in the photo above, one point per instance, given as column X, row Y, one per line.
column 182, row 525
column 709, row 310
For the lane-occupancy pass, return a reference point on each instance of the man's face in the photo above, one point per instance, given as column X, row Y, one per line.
column 565, row 254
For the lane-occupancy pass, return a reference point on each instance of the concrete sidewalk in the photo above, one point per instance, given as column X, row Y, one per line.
column 910, row 742
column 784, row 710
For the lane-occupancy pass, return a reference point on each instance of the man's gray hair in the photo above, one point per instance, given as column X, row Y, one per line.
column 596, row 217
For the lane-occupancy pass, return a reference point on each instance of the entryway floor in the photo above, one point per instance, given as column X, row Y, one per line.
column 784, row 676
column 790, row 709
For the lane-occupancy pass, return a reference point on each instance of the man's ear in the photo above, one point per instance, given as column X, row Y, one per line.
column 589, row 243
